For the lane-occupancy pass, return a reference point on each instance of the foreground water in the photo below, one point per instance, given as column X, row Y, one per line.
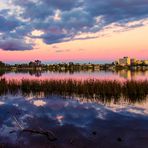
column 61, row 122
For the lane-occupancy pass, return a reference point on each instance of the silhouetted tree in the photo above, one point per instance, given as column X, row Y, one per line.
column 2, row 64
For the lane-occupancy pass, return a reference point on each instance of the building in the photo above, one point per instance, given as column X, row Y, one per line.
column 145, row 62
column 126, row 61
column 139, row 62
column 133, row 61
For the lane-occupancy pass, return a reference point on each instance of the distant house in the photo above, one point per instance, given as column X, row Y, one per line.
column 97, row 67
column 145, row 62
column 139, row 62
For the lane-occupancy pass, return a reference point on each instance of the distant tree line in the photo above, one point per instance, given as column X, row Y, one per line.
column 2, row 64
column 37, row 65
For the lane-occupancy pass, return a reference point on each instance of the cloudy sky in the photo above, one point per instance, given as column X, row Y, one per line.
column 73, row 30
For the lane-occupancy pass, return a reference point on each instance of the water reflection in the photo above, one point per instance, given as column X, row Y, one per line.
column 2, row 73
column 36, row 73
column 132, row 75
column 39, row 103
column 110, row 75
column 76, row 123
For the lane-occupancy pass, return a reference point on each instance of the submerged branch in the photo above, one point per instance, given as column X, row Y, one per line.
column 49, row 134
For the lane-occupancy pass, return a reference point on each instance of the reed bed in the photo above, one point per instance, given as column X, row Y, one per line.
column 91, row 88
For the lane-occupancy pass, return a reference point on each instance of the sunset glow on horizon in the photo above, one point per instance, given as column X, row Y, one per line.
column 25, row 38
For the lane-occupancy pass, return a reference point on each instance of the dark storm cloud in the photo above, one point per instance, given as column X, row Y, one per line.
column 13, row 32
column 118, row 11
column 63, row 20
column 15, row 44
column 53, row 38
column 7, row 25
column 63, row 4
column 33, row 10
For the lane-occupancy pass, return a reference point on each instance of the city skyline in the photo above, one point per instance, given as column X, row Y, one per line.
column 73, row 30
column 122, row 61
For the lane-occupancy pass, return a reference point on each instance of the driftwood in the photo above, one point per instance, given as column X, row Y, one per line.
column 49, row 134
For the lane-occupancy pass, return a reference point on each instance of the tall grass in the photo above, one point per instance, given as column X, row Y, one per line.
column 91, row 88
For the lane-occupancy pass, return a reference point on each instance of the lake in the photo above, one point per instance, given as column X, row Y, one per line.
column 56, row 121
column 109, row 75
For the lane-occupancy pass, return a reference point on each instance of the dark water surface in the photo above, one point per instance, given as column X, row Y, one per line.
column 72, row 123
column 60, row 122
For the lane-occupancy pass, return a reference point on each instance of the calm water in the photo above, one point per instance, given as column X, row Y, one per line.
column 75, row 122
column 121, row 75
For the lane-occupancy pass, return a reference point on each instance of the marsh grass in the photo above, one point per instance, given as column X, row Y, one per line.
column 91, row 88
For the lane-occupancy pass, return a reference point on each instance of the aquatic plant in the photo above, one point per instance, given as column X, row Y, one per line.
column 91, row 88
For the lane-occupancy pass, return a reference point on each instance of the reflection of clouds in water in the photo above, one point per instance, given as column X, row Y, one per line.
column 101, row 112
column 129, row 110
column 39, row 103
column 5, row 132
column 55, row 111
column 24, row 118
column 60, row 119
column 15, row 104
column 136, row 111
column 1, row 103
column 29, row 97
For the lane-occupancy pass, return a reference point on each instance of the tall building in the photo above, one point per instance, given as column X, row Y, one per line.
column 126, row 61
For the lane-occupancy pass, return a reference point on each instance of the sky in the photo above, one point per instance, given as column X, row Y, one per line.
column 73, row 30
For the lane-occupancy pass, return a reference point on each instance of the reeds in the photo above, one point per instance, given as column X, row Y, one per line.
column 91, row 88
